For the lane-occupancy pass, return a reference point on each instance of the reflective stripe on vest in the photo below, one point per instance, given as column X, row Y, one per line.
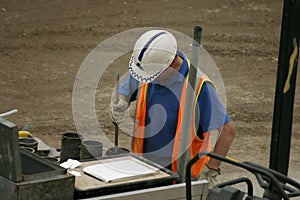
column 196, row 144
column 140, row 120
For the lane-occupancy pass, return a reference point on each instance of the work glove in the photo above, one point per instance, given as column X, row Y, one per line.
column 210, row 175
column 117, row 110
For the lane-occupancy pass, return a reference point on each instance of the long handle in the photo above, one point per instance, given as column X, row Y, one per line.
column 190, row 94
column 117, row 101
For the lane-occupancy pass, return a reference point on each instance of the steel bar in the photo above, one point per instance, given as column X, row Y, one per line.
column 184, row 156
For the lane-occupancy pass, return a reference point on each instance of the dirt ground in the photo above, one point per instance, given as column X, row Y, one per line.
column 43, row 44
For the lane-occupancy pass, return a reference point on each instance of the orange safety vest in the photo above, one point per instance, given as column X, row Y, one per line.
column 196, row 144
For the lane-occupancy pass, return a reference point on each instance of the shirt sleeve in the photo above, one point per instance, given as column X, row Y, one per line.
column 129, row 88
column 210, row 109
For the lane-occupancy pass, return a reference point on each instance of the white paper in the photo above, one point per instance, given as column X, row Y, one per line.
column 70, row 164
column 120, row 170
column 75, row 173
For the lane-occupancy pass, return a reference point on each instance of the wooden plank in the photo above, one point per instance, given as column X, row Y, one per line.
column 170, row 192
column 10, row 160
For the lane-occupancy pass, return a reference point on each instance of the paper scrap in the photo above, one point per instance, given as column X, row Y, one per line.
column 70, row 164
column 75, row 173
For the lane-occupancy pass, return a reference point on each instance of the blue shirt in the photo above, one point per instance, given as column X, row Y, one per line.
column 162, row 110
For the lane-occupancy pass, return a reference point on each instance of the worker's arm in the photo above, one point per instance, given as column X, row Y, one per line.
column 127, row 93
column 129, row 88
column 211, row 169
column 213, row 116
column 225, row 139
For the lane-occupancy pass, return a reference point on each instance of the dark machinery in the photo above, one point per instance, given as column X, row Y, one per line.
column 276, row 185
column 273, row 180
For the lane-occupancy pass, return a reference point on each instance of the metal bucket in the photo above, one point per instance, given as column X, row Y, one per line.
column 31, row 150
column 91, row 149
column 28, row 142
column 70, row 146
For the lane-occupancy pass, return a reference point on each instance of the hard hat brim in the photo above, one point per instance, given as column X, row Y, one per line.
column 141, row 75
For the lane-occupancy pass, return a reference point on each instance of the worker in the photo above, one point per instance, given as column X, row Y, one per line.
column 158, row 81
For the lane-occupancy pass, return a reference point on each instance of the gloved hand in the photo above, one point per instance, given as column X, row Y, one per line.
column 116, row 110
column 210, row 175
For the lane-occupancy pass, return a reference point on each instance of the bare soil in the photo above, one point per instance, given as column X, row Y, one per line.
column 43, row 44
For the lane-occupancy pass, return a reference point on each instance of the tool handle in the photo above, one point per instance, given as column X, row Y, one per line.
column 185, row 137
column 117, row 101
column 117, row 89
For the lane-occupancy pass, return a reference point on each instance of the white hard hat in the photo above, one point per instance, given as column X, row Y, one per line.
column 153, row 52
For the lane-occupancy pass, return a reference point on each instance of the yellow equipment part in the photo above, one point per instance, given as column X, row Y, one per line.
column 24, row 134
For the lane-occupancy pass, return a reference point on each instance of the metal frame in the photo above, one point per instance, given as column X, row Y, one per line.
column 285, row 87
